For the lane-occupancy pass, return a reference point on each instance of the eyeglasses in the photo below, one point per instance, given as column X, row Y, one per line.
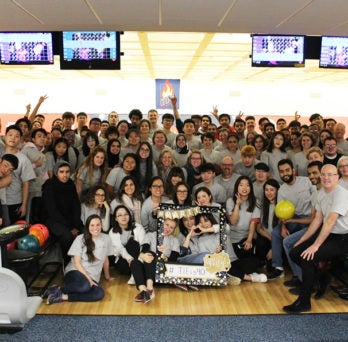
column 144, row 149
column 157, row 186
column 331, row 145
column 99, row 195
column 328, row 175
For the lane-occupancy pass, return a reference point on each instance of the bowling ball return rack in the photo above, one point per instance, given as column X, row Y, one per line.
column 36, row 275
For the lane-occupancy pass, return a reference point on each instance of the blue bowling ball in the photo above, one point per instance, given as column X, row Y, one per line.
column 29, row 243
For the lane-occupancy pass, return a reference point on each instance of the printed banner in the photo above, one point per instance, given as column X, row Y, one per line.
column 165, row 89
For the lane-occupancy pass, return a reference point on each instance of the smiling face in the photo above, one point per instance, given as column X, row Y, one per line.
column 203, row 198
column 181, row 193
column 115, row 147
column 244, row 188
column 129, row 164
column 98, row 159
column 159, row 139
column 271, row 193
column 12, row 138
column 129, row 187
column 95, row 227
column 99, row 197
column 168, row 227
column 167, row 159
column 188, row 222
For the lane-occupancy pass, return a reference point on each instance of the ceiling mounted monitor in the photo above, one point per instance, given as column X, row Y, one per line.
column 90, row 50
column 26, row 48
column 334, row 52
column 277, row 50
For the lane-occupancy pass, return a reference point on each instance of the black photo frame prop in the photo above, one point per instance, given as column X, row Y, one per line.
column 213, row 272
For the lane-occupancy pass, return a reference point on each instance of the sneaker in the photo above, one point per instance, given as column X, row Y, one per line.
column 131, row 280
column 293, row 282
column 50, row 290
column 56, row 297
column 232, row 280
column 192, row 287
column 258, row 277
column 182, row 287
column 151, row 293
column 143, row 297
column 276, row 273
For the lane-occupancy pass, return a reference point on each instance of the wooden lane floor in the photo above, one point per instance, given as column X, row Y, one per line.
column 244, row 299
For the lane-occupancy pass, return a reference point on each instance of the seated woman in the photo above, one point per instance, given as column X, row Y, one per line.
column 243, row 215
column 268, row 222
column 129, row 195
column 89, row 255
column 61, row 207
column 132, row 257
column 96, row 202
column 201, row 238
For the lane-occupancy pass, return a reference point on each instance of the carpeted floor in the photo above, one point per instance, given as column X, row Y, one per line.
column 308, row 327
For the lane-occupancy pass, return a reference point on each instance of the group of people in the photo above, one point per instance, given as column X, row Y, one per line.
column 98, row 188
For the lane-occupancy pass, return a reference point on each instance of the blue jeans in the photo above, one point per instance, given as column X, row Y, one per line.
column 193, row 258
column 78, row 288
column 288, row 244
column 277, row 240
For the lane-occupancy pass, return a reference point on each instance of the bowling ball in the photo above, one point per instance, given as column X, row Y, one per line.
column 284, row 210
column 21, row 222
column 43, row 228
column 29, row 243
column 38, row 233
column 11, row 245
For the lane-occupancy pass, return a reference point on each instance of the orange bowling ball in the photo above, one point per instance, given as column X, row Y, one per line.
column 42, row 228
column 39, row 234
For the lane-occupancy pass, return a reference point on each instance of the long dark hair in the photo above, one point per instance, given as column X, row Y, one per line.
column 65, row 156
column 85, row 148
column 188, row 200
column 266, row 204
column 169, row 188
column 270, row 146
column 113, row 159
column 148, row 163
column 88, row 240
column 137, row 194
column 131, row 223
column 251, row 196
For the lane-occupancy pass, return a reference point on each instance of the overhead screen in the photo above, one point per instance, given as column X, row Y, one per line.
column 277, row 51
column 26, row 48
column 90, row 50
column 334, row 52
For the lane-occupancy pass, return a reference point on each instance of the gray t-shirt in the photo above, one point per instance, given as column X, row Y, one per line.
column 272, row 159
column 300, row 194
column 240, row 230
column 103, row 248
column 335, row 201
column 115, row 178
column 24, row 173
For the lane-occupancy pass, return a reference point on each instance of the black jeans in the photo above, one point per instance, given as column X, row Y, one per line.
column 335, row 245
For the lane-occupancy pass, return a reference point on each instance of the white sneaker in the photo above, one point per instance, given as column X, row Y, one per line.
column 258, row 277
column 131, row 280
column 232, row 280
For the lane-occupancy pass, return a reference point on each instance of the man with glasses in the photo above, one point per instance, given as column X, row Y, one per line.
column 228, row 177
column 342, row 167
column 331, row 156
column 326, row 237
